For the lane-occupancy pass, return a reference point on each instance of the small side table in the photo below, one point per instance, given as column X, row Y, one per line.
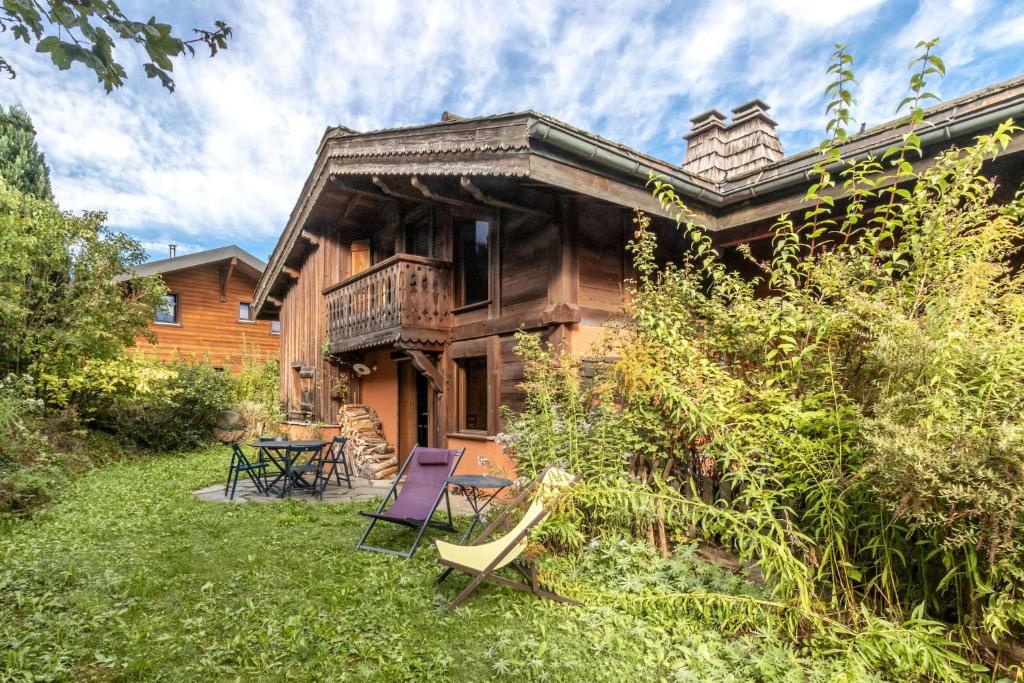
column 474, row 487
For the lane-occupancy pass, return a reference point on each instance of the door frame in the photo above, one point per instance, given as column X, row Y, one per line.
column 409, row 408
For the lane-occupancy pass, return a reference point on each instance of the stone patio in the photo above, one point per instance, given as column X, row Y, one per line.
column 362, row 490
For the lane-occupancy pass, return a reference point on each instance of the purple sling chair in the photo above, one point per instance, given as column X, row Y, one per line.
column 426, row 473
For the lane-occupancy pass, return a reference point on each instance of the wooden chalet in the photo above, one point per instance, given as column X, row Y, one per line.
column 418, row 252
column 209, row 310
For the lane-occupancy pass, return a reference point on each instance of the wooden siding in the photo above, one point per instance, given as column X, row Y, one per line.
column 208, row 326
column 602, row 261
column 526, row 242
column 304, row 331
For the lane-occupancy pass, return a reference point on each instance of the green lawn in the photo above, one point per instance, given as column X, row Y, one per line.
column 129, row 577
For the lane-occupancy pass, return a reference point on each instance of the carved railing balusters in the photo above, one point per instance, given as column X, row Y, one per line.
column 402, row 291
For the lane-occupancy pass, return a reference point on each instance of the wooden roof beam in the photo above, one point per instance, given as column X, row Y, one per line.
column 421, row 186
column 379, row 182
column 310, row 237
column 226, row 271
column 424, row 365
column 480, row 196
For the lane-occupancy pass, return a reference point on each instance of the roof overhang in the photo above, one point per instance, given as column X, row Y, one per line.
column 541, row 149
column 244, row 263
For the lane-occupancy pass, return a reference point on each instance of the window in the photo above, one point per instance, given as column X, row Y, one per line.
column 167, row 312
column 275, row 327
column 472, row 262
column 245, row 312
column 473, row 394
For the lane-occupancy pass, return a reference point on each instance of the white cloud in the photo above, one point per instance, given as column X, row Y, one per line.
column 223, row 159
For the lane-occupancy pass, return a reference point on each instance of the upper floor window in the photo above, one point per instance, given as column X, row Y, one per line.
column 275, row 327
column 472, row 262
column 167, row 311
column 245, row 312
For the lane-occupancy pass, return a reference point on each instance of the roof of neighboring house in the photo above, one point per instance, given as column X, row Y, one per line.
column 532, row 145
column 246, row 262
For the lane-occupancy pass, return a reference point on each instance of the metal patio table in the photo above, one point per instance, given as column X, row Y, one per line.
column 474, row 487
column 276, row 452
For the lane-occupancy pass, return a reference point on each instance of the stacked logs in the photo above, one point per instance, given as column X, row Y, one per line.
column 369, row 452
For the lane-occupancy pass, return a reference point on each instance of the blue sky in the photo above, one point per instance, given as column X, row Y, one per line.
column 222, row 160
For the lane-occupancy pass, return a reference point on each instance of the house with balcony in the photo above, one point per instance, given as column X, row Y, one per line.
column 413, row 255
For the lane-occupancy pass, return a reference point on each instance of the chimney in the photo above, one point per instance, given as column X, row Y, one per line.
column 705, row 146
column 745, row 144
column 173, row 249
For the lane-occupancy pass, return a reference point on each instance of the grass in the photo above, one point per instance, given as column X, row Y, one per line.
column 128, row 577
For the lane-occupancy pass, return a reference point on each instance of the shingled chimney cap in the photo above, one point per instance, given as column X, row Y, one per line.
column 757, row 104
column 711, row 115
column 752, row 108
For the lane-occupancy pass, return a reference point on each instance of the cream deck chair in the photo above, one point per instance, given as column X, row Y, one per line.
column 482, row 560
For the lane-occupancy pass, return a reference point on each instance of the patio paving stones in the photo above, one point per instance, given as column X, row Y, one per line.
column 362, row 490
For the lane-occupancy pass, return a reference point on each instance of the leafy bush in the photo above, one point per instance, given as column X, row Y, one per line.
column 18, row 405
column 184, row 416
column 40, row 450
column 861, row 426
column 60, row 302
column 159, row 406
column 258, row 380
column 256, row 392
column 564, row 421
column 177, row 414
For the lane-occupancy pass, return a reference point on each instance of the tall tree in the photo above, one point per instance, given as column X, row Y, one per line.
column 61, row 301
column 85, row 31
column 22, row 165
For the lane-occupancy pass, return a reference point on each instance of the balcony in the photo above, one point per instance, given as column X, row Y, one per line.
column 402, row 299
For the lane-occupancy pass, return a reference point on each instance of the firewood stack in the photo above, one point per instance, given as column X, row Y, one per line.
column 369, row 452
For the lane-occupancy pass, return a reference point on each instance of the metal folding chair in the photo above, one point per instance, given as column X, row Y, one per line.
column 240, row 464
column 334, row 457
column 296, row 471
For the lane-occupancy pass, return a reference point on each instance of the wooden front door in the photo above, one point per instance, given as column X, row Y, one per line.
column 414, row 410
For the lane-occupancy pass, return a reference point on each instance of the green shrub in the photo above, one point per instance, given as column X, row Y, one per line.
column 177, row 415
column 256, row 392
column 60, row 301
column 20, row 410
column 865, row 419
column 158, row 406
column 258, row 380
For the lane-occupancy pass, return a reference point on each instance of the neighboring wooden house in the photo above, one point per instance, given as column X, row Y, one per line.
column 208, row 311
column 418, row 252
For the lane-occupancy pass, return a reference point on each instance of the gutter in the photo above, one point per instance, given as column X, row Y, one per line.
column 617, row 162
column 934, row 135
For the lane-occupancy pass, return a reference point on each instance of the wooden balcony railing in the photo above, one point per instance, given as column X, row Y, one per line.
column 401, row 298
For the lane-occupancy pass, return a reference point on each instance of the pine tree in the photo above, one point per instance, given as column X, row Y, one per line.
column 22, row 165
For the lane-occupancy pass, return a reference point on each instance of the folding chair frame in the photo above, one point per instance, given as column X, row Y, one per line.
column 254, row 470
column 333, row 457
column 294, row 472
column 527, row 569
column 420, row 525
